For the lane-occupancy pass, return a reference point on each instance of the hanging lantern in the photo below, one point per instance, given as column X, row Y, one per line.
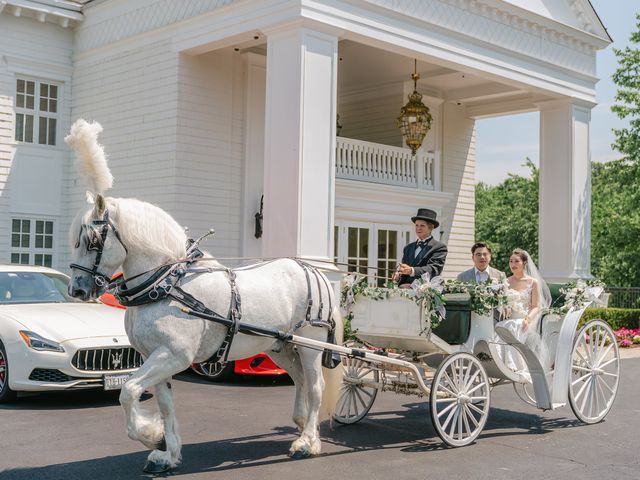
column 415, row 120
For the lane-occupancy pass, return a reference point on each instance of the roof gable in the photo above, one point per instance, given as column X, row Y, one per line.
column 578, row 14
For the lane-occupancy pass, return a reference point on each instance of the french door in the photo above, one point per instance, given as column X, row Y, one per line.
column 370, row 248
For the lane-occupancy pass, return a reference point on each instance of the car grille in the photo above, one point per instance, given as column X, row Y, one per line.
column 107, row 359
column 48, row 375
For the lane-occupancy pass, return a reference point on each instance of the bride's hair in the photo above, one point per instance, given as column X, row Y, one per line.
column 521, row 254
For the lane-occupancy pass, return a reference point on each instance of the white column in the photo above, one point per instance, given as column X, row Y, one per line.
column 299, row 173
column 565, row 190
column 254, row 151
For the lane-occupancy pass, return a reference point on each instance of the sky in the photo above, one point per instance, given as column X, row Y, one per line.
column 496, row 158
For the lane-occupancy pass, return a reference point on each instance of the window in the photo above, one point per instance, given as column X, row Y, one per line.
column 369, row 248
column 36, row 112
column 32, row 242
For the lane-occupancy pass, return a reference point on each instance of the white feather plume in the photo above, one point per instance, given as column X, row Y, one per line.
column 91, row 160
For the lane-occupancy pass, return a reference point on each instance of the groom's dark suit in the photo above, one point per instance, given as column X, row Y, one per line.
column 430, row 259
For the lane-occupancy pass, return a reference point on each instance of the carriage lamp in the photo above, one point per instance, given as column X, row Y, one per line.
column 415, row 119
column 258, row 216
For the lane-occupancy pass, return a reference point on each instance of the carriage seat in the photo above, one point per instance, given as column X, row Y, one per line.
column 456, row 326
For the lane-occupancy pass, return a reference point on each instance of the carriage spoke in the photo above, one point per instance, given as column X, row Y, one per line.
column 446, row 409
column 610, row 374
column 582, row 389
column 581, row 379
column 450, row 416
column 460, row 414
column 602, row 381
column 358, row 392
column 582, row 357
column 451, row 383
column 465, row 379
column 446, row 400
column 456, row 415
column 446, row 390
column 465, row 414
column 609, row 362
column 480, row 385
column 471, row 416
column 469, row 382
column 581, row 369
column 602, row 356
column 584, row 399
column 475, row 408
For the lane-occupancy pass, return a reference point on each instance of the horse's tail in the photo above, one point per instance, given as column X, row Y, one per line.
column 332, row 376
column 91, row 161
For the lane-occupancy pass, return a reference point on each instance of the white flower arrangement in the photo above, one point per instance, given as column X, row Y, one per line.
column 425, row 292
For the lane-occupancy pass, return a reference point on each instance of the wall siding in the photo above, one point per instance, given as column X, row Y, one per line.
column 210, row 148
column 42, row 50
column 372, row 119
column 134, row 97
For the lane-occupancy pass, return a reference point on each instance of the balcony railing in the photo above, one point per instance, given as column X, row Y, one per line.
column 373, row 162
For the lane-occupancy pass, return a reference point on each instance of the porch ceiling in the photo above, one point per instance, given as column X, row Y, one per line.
column 362, row 66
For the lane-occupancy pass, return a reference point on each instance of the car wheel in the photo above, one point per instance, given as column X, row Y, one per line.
column 6, row 394
column 214, row 371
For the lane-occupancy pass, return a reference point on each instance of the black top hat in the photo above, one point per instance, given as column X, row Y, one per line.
column 426, row 215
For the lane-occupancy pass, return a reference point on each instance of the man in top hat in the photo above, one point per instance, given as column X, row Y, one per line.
column 425, row 255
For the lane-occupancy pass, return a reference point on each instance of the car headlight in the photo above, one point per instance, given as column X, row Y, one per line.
column 35, row 341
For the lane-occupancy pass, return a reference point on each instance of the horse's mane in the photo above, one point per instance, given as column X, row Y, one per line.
column 142, row 224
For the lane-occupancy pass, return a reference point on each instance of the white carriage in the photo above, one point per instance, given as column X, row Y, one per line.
column 458, row 363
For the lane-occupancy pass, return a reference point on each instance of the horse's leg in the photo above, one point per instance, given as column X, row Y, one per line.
column 158, row 368
column 169, row 452
column 289, row 360
column 309, row 441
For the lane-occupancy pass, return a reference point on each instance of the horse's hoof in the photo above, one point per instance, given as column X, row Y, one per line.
column 298, row 454
column 156, row 467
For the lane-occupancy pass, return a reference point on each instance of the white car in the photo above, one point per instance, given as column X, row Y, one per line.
column 50, row 341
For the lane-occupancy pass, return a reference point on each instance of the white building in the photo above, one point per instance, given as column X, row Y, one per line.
column 209, row 104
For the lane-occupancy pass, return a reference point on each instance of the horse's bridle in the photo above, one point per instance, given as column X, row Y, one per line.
column 95, row 241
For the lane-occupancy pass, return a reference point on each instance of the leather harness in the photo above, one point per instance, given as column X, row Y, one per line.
column 164, row 282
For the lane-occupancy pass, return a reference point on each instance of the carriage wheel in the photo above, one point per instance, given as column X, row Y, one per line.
column 459, row 399
column 358, row 391
column 595, row 372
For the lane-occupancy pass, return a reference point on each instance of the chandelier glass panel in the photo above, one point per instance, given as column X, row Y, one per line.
column 415, row 119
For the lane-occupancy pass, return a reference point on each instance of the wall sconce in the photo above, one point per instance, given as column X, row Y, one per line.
column 415, row 119
column 338, row 125
column 258, row 232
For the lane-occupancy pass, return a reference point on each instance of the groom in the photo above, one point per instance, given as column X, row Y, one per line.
column 425, row 255
column 481, row 271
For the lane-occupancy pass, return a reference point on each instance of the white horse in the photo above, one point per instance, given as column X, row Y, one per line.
column 114, row 233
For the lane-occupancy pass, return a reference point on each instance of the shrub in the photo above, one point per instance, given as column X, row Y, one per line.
column 617, row 318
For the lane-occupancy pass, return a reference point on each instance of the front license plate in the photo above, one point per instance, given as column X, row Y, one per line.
column 116, row 381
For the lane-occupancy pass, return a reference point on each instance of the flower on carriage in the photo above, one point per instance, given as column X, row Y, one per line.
column 427, row 292
column 425, row 283
column 352, row 286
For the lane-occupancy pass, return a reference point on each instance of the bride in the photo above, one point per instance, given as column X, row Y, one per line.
column 530, row 297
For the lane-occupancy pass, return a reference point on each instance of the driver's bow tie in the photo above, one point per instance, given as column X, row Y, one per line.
column 422, row 244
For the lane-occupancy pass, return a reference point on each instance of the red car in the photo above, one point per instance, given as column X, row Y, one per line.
column 220, row 371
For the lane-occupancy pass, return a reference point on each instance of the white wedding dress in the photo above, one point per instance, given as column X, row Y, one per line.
column 520, row 307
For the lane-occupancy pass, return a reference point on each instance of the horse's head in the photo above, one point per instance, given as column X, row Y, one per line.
column 97, row 251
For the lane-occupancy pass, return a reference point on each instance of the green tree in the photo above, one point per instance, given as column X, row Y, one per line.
column 507, row 216
column 615, row 219
column 627, row 78
column 615, row 248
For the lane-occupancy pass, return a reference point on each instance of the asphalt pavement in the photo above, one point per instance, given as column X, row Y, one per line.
column 243, row 430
